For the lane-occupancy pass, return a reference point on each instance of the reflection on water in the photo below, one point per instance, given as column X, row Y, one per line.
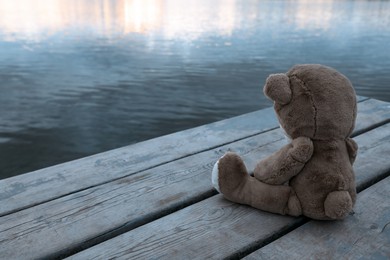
column 79, row 77
column 37, row 20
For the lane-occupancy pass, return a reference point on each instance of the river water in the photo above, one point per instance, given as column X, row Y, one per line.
column 78, row 77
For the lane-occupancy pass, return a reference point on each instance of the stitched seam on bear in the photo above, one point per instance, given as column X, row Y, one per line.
column 312, row 102
column 353, row 123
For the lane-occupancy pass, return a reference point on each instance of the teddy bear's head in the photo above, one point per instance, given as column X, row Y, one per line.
column 314, row 101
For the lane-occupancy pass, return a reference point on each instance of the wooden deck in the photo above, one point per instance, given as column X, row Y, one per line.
column 154, row 200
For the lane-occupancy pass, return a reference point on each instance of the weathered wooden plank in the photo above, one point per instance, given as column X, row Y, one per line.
column 365, row 235
column 41, row 186
column 76, row 220
column 215, row 228
column 126, row 203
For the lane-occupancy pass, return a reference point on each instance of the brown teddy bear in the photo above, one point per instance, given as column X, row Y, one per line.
column 312, row 175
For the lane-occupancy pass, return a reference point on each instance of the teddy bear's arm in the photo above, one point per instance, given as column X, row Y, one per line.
column 285, row 163
column 352, row 149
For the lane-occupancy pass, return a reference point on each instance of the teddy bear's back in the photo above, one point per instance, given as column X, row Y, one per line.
column 328, row 170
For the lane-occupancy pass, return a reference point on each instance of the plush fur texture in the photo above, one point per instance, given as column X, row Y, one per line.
column 313, row 174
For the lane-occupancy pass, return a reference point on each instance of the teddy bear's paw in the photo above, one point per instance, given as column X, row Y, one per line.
column 338, row 204
column 302, row 149
column 228, row 173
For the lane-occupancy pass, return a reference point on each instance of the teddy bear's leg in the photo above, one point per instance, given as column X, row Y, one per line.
column 338, row 204
column 231, row 178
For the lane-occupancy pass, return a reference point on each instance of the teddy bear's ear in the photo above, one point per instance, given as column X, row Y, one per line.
column 277, row 88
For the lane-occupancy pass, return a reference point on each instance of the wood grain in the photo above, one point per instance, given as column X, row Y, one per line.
column 365, row 235
column 213, row 229
column 73, row 221
column 40, row 186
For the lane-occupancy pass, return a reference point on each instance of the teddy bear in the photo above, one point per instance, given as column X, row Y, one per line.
column 312, row 175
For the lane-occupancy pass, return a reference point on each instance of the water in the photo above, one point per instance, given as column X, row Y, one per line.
column 78, row 77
